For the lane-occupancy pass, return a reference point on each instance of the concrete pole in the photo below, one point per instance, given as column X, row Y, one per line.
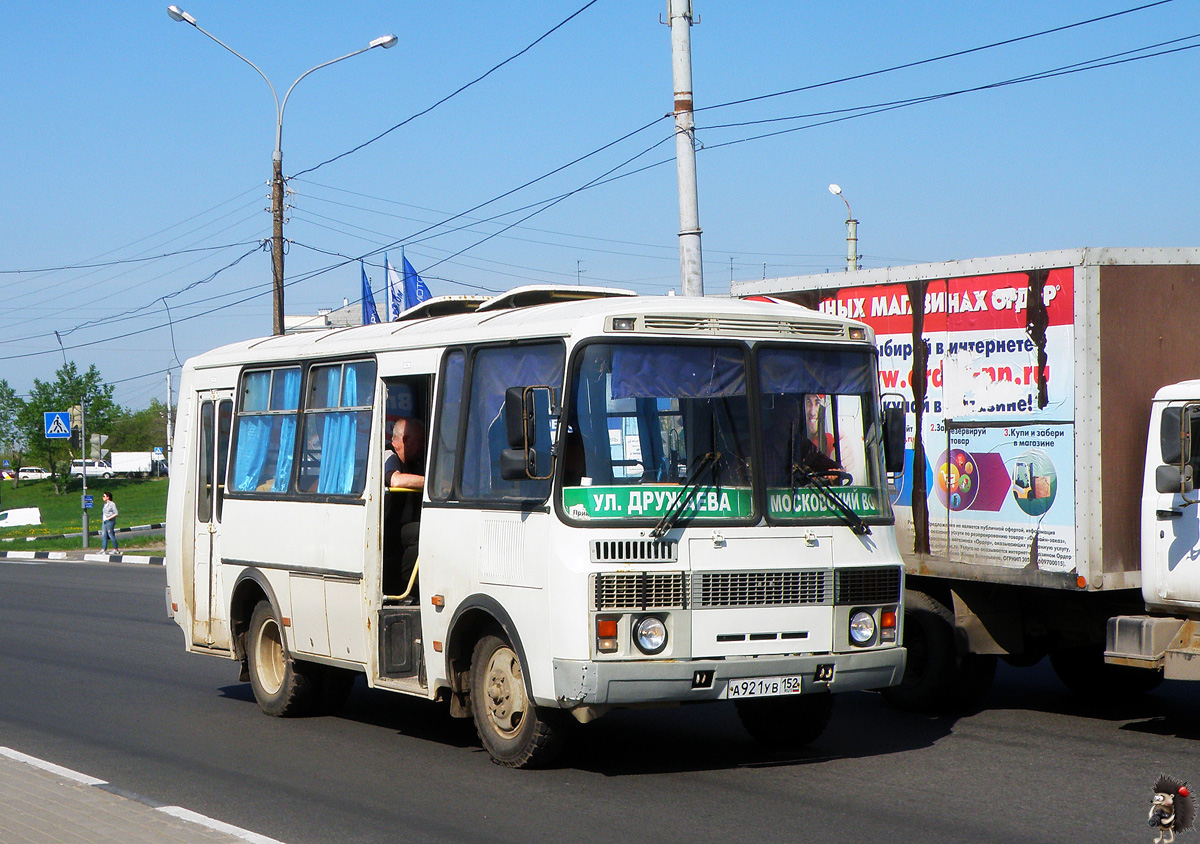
column 851, row 243
column 691, row 269
column 83, row 442
column 170, row 436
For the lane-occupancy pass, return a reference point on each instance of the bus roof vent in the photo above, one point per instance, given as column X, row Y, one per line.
column 744, row 325
column 443, row 306
column 530, row 295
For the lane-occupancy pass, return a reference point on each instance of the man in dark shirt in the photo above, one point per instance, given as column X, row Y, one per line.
column 401, row 470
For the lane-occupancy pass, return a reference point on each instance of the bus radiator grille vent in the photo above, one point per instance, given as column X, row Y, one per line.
column 634, row 551
column 867, row 586
column 761, row 588
column 641, row 590
column 742, row 325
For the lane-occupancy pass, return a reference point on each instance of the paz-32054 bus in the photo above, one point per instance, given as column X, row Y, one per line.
column 627, row 501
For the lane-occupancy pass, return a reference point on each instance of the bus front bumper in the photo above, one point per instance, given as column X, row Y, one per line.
column 583, row 683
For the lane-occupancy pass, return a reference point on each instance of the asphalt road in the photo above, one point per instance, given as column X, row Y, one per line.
column 93, row 676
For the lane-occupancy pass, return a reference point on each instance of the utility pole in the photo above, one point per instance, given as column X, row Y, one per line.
column 691, row 270
column 83, row 443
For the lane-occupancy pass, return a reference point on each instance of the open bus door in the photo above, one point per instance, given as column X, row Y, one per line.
column 212, row 453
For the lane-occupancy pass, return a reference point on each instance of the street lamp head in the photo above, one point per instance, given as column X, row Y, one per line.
column 384, row 41
column 836, row 190
column 178, row 14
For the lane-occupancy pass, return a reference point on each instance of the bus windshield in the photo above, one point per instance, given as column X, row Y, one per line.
column 821, row 434
column 644, row 418
column 670, row 431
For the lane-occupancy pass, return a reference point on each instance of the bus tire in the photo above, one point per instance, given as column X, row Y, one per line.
column 930, row 671
column 283, row 687
column 786, row 722
column 515, row 732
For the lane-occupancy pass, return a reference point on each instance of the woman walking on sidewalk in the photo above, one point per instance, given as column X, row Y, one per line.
column 109, row 529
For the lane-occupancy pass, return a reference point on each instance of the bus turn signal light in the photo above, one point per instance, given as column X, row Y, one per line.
column 606, row 635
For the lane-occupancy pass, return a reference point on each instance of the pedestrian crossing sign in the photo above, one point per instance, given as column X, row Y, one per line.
column 58, row 425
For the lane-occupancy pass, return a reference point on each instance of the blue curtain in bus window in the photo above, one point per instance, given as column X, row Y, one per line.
column 694, row 372
column 288, row 385
column 337, row 440
column 253, row 438
column 814, row 371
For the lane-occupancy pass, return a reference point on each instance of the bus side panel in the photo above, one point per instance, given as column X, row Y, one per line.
column 322, row 545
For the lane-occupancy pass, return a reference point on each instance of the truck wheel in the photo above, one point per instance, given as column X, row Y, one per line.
column 515, row 732
column 786, row 722
column 1083, row 670
column 930, row 671
column 283, row 687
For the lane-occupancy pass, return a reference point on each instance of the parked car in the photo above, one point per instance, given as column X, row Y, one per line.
column 7, row 474
column 95, row 469
column 32, row 473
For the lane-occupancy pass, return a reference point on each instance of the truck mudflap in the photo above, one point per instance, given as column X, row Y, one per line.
column 585, row 683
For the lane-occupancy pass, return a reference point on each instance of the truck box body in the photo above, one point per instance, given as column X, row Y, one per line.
column 1033, row 422
column 132, row 462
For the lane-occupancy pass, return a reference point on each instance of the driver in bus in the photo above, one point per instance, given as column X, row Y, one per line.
column 401, row 472
column 787, row 439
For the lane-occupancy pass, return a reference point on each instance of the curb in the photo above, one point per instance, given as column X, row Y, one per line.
column 90, row 558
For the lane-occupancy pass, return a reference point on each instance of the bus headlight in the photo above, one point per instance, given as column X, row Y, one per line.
column 650, row 634
column 862, row 627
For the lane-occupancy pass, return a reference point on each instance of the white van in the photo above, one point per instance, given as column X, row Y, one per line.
column 95, row 469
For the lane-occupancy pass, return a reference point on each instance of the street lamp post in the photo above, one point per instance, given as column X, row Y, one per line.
column 851, row 231
column 384, row 41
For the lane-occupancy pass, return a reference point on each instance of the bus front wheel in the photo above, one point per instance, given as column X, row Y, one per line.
column 515, row 732
column 281, row 686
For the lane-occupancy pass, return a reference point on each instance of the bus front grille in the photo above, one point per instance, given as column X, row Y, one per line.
column 761, row 588
column 640, row 590
column 867, row 586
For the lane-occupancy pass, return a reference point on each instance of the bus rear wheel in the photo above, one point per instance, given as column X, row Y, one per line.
column 282, row 687
column 514, row 731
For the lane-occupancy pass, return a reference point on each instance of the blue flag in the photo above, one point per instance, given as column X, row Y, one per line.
column 369, row 314
column 415, row 291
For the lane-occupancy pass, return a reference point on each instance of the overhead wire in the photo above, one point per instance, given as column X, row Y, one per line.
column 457, row 91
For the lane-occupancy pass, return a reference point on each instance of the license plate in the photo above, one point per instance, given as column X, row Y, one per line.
column 763, row 687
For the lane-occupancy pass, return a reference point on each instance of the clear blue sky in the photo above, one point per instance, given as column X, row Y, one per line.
column 128, row 135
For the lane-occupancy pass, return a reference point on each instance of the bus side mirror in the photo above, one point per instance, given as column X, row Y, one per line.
column 527, row 420
column 893, row 439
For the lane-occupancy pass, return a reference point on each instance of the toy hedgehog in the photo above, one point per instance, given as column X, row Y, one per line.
column 1172, row 809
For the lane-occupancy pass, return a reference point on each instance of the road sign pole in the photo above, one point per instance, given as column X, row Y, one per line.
column 83, row 444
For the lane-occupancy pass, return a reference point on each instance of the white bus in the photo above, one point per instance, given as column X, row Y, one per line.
column 628, row 500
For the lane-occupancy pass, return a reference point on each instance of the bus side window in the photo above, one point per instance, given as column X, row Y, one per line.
column 493, row 371
column 444, row 444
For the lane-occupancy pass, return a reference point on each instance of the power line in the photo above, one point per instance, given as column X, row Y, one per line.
column 126, row 260
column 933, row 59
column 455, row 93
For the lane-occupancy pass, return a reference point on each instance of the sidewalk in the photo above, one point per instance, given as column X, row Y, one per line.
column 41, row 803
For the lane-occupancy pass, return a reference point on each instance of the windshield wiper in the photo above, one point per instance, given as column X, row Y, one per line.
column 852, row 519
column 686, row 493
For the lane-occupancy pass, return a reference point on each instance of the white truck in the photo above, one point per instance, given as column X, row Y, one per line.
column 132, row 462
column 1053, row 433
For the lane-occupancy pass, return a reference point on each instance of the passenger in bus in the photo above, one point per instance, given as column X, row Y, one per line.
column 402, row 522
column 403, row 465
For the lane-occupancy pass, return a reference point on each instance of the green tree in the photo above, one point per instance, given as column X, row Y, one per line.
column 11, row 438
column 68, row 389
column 139, row 430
